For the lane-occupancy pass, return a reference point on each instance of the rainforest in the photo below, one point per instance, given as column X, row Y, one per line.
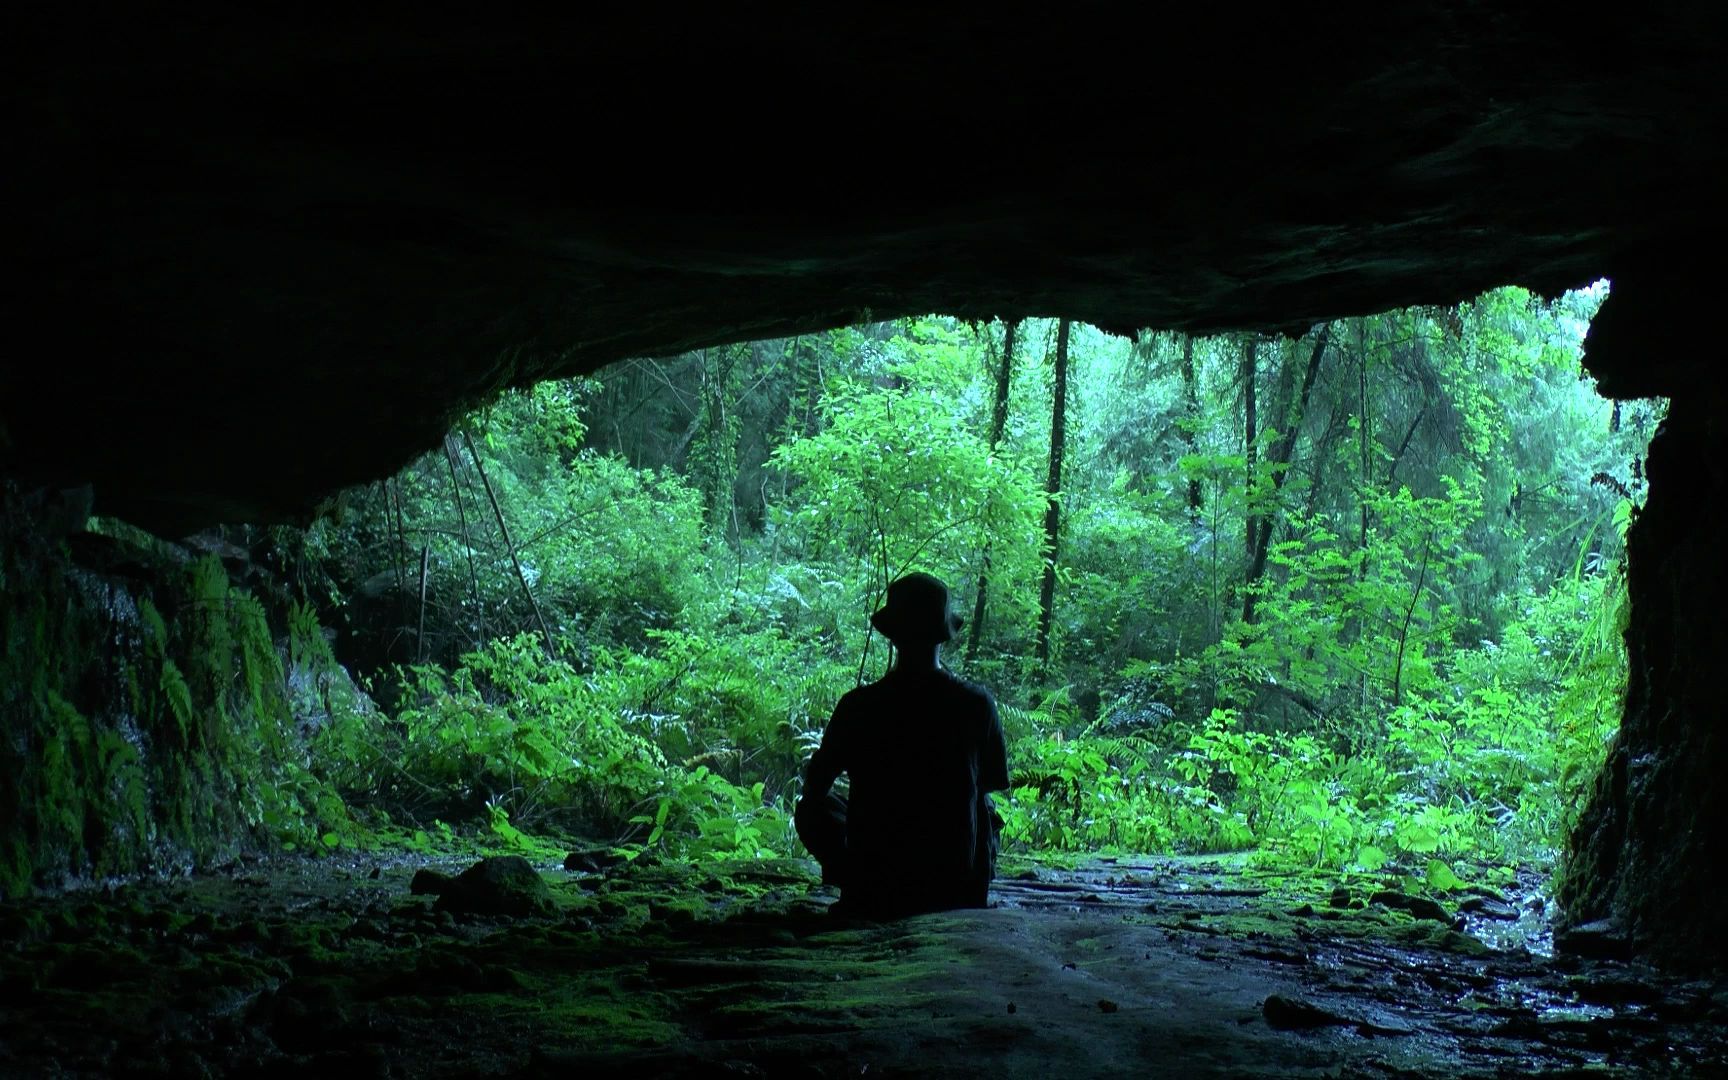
column 1344, row 600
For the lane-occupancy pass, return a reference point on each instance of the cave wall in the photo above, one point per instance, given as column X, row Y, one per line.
column 151, row 711
column 1650, row 854
column 1649, row 860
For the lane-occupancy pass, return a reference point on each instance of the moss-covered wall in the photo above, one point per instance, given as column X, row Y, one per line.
column 145, row 720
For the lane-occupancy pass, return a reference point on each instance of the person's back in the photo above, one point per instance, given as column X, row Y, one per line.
column 922, row 749
column 916, row 746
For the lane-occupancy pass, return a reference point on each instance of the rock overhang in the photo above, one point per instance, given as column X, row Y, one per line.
column 263, row 261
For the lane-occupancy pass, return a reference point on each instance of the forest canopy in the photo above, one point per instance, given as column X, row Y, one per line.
column 1347, row 599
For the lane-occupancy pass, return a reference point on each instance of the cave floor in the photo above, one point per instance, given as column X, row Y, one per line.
column 1161, row 966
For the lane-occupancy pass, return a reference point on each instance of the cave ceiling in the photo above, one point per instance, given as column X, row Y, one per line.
column 256, row 260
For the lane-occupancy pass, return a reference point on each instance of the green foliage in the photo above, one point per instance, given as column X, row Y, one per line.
column 532, row 744
column 900, row 479
column 1429, row 675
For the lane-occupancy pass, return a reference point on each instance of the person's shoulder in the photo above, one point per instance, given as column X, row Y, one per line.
column 976, row 692
column 854, row 697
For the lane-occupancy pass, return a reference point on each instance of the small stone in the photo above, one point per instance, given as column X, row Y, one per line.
column 370, row 929
column 1340, row 897
column 1615, row 990
column 1294, row 1014
column 592, row 861
column 671, row 914
column 1011, row 1009
column 1486, row 908
column 450, row 973
column 1420, row 907
column 1600, row 940
column 429, row 882
column 1107, row 1006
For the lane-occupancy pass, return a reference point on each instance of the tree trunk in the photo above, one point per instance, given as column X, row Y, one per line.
column 467, row 543
column 1404, row 631
column 1282, row 453
column 1409, row 433
column 1053, row 489
column 998, row 425
column 420, row 634
column 1362, row 478
column 510, row 546
column 1250, row 452
column 1190, row 419
column 1362, row 435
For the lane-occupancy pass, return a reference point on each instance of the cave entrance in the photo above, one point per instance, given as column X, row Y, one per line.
column 1351, row 599
column 1303, row 702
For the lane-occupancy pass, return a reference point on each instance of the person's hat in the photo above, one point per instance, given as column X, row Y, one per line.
column 917, row 610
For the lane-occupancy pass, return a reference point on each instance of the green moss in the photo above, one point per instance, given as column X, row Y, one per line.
column 148, row 719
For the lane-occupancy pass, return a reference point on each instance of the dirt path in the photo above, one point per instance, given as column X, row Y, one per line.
column 1156, row 967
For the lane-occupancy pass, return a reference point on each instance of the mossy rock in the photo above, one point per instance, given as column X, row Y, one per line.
column 501, row 885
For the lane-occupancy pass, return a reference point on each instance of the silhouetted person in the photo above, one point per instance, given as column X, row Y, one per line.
column 922, row 750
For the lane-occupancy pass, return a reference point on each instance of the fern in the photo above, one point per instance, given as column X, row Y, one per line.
column 63, row 779
column 155, row 629
column 307, row 647
column 122, row 770
column 179, row 698
column 1127, row 750
column 261, row 667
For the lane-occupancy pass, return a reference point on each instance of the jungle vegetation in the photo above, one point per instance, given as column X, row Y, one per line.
column 1349, row 599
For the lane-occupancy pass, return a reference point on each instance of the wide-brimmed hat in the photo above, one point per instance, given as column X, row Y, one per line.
column 917, row 610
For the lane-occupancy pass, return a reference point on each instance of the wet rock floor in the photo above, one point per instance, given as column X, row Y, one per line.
column 1155, row 966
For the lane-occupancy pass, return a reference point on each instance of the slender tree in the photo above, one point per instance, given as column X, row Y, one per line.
column 1250, row 437
column 1190, row 419
column 467, row 541
column 510, row 546
column 998, row 425
column 1282, row 452
column 1362, row 478
column 1053, row 490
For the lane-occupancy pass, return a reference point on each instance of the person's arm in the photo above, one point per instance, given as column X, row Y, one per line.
column 993, row 759
column 829, row 760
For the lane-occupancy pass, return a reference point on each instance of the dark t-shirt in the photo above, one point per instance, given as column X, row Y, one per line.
column 921, row 749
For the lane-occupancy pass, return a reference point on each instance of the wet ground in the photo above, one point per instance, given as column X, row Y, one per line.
column 1177, row 967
